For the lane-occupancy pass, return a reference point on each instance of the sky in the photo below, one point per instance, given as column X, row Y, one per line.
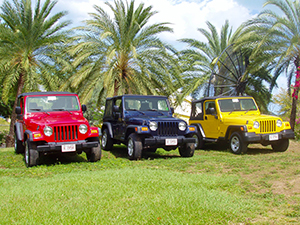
column 185, row 16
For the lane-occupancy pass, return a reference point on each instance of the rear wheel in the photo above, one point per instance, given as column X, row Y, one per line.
column 187, row 150
column 31, row 155
column 281, row 145
column 106, row 141
column 134, row 147
column 94, row 154
column 19, row 147
column 237, row 145
column 199, row 144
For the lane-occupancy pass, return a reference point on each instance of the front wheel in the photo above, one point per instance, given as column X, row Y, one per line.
column 31, row 155
column 199, row 144
column 281, row 145
column 134, row 147
column 94, row 154
column 106, row 141
column 187, row 150
column 19, row 147
column 237, row 145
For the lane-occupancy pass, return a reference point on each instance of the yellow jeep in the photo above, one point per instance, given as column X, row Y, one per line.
column 237, row 119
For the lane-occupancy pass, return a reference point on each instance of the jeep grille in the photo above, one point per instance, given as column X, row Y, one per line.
column 167, row 128
column 66, row 133
column 267, row 126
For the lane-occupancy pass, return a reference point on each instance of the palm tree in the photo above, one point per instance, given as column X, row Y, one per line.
column 120, row 55
column 30, row 41
column 199, row 60
column 276, row 39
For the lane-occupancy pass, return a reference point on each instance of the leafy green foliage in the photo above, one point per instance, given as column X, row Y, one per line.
column 122, row 55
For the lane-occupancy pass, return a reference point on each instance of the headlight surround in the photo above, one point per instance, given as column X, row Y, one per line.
column 182, row 126
column 153, row 126
column 83, row 128
column 48, row 131
column 256, row 124
column 279, row 123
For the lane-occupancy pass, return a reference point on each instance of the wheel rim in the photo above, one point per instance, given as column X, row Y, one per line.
column 197, row 141
column 235, row 143
column 15, row 142
column 130, row 147
column 26, row 155
column 104, row 139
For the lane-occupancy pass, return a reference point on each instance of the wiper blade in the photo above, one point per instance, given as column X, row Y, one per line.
column 234, row 110
column 155, row 111
column 62, row 110
column 137, row 111
column 40, row 110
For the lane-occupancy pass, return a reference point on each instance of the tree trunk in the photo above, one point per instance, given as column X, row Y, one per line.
column 10, row 138
column 294, row 111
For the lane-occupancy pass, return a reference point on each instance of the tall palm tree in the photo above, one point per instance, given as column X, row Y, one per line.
column 123, row 54
column 199, row 59
column 30, row 40
column 276, row 39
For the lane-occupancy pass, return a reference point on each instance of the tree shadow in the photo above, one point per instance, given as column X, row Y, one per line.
column 55, row 159
column 120, row 151
column 253, row 149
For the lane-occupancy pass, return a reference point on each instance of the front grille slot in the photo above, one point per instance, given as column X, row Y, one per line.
column 66, row 133
column 167, row 128
column 267, row 126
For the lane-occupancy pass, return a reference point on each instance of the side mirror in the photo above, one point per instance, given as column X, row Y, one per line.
column 172, row 110
column 116, row 108
column 83, row 108
column 212, row 111
column 18, row 110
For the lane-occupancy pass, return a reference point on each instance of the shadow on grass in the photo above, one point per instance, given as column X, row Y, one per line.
column 55, row 159
column 120, row 151
column 224, row 147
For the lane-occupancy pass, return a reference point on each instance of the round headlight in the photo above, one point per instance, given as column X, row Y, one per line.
column 256, row 124
column 279, row 123
column 83, row 128
column 182, row 126
column 48, row 131
column 153, row 126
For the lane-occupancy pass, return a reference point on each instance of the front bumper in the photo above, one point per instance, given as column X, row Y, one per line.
column 158, row 141
column 252, row 137
column 56, row 147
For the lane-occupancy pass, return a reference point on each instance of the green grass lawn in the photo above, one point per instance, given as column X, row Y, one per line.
column 213, row 187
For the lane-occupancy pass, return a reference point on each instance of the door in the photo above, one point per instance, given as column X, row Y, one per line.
column 211, row 121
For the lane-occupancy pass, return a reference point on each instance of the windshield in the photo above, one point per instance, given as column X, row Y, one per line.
column 147, row 104
column 52, row 103
column 235, row 104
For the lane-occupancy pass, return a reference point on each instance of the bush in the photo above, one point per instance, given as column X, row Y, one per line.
column 3, row 135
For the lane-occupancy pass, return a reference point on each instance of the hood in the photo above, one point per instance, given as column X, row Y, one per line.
column 246, row 119
column 56, row 118
column 143, row 119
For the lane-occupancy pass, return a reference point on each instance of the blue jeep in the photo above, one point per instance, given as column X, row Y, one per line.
column 145, row 123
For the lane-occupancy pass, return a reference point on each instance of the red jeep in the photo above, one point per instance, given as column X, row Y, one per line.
column 51, row 123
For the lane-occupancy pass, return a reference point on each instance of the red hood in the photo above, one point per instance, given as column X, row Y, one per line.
column 56, row 118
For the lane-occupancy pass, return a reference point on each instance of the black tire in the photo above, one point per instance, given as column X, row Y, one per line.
column 106, row 140
column 199, row 140
column 134, row 147
column 237, row 144
column 187, row 150
column 19, row 147
column 280, row 145
column 31, row 155
column 94, row 154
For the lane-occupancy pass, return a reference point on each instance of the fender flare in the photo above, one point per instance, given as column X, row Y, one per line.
column 199, row 128
column 108, row 126
column 29, row 135
column 19, row 131
column 234, row 128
